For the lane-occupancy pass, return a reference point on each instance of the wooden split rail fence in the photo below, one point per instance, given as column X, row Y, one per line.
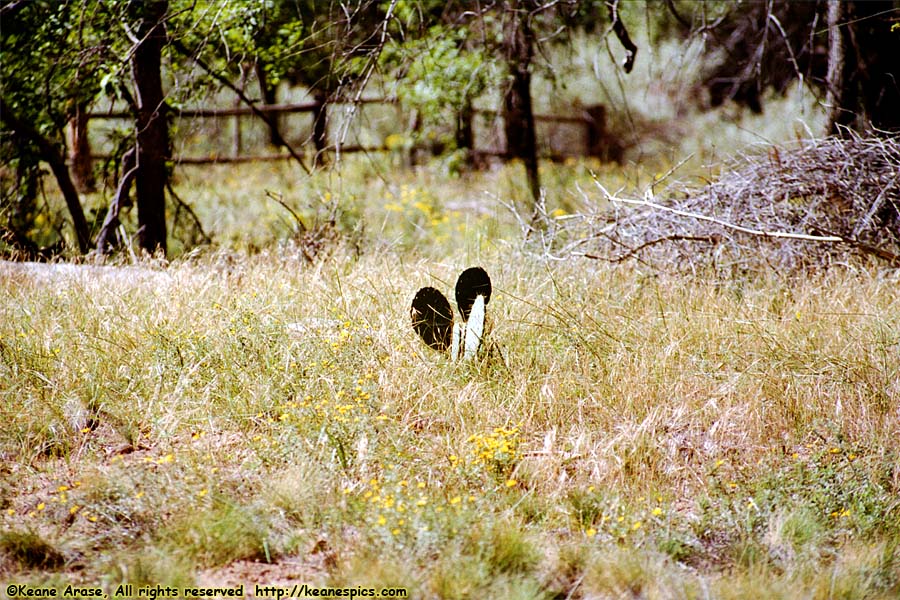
column 594, row 140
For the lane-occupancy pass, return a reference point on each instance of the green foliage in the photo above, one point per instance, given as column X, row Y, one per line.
column 54, row 57
column 800, row 507
column 439, row 74
column 305, row 42
column 507, row 548
column 150, row 567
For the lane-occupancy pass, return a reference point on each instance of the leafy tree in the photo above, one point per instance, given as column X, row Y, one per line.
column 863, row 81
column 51, row 59
column 59, row 58
column 304, row 42
column 448, row 54
column 440, row 76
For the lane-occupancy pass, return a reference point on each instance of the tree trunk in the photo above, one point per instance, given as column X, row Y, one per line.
column 56, row 160
column 841, row 102
column 465, row 136
column 82, row 166
column 863, row 81
column 269, row 97
column 878, row 48
column 152, row 127
column 518, row 115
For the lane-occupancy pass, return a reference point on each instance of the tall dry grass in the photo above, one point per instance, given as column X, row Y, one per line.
column 630, row 433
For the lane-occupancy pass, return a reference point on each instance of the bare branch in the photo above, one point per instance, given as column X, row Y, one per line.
column 692, row 215
column 893, row 259
column 787, row 44
column 277, row 198
column 8, row 10
column 710, row 239
column 106, row 239
column 190, row 211
column 793, row 207
column 622, row 34
column 688, row 25
column 244, row 98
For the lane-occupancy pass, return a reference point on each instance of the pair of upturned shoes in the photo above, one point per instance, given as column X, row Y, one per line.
column 432, row 317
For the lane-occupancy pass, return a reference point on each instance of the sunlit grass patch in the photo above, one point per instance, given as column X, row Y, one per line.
column 220, row 534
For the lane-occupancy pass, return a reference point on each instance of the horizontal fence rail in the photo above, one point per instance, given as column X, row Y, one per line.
column 589, row 127
column 245, row 111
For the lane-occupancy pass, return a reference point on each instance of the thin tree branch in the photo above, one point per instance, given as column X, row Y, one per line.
column 8, row 10
column 106, row 239
column 710, row 239
column 890, row 257
column 246, row 100
column 277, row 198
column 50, row 154
column 622, row 34
column 190, row 211
column 367, row 74
column 787, row 44
column 688, row 25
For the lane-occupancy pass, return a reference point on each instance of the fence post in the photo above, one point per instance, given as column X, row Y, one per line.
column 320, row 128
column 599, row 142
column 595, row 125
column 236, row 140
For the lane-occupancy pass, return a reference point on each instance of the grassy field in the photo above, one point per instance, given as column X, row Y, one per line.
column 246, row 415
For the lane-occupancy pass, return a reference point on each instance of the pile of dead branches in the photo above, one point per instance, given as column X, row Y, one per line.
column 802, row 207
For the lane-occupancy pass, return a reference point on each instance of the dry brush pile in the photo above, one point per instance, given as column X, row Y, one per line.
column 798, row 207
